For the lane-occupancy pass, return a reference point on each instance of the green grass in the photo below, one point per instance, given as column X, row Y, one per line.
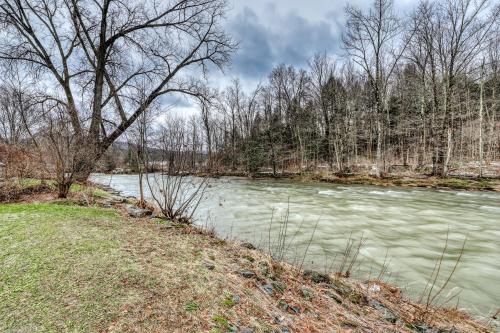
column 96, row 192
column 192, row 306
column 60, row 271
column 27, row 182
column 222, row 322
column 66, row 268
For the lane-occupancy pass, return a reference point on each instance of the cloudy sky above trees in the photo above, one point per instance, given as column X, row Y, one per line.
column 282, row 31
column 288, row 31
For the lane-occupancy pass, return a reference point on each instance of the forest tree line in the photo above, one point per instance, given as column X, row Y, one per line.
column 419, row 92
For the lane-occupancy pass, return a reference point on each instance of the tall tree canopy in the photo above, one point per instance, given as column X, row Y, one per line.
column 105, row 62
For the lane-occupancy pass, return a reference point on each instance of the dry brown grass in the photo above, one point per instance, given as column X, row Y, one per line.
column 190, row 280
column 12, row 192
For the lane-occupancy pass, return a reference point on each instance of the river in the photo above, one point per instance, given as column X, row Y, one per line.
column 404, row 228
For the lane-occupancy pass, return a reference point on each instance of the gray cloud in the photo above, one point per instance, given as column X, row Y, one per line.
column 274, row 38
column 254, row 57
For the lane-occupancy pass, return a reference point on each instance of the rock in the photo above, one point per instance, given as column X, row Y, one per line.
column 341, row 288
column 117, row 200
column 137, row 212
column 388, row 314
column 248, row 245
column 374, row 288
column 264, row 268
column 289, row 308
column 268, row 289
column 375, row 304
column 236, row 299
column 209, row 265
column 279, row 286
column 317, row 277
column 452, row 330
column 357, row 298
column 249, row 258
column 333, row 295
column 424, row 328
column 283, row 305
column 246, row 273
column 106, row 204
column 307, row 293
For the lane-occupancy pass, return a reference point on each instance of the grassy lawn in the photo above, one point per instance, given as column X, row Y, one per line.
column 79, row 269
column 60, row 270
column 68, row 268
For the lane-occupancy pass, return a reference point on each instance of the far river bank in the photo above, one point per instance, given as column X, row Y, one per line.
column 413, row 180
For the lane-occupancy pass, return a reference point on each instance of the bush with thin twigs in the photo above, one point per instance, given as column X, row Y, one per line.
column 432, row 290
column 174, row 190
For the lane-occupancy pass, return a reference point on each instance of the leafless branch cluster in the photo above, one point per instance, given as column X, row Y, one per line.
column 175, row 191
column 106, row 62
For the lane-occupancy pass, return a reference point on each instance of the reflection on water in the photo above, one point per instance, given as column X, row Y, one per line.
column 409, row 224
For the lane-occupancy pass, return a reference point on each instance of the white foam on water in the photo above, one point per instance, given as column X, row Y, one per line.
column 328, row 192
column 388, row 193
column 464, row 194
column 490, row 208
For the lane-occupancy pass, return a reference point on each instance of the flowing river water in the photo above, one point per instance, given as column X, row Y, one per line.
column 404, row 229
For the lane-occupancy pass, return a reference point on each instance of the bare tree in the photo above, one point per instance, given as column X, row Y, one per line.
column 491, row 112
column 455, row 33
column 93, row 53
column 57, row 143
column 174, row 190
column 322, row 70
column 138, row 141
column 371, row 40
column 17, row 112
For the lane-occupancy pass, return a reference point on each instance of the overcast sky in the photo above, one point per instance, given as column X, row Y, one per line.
column 287, row 31
column 283, row 31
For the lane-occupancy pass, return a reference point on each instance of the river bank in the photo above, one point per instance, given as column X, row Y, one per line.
column 395, row 180
column 405, row 227
column 85, row 264
column 411, row 180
